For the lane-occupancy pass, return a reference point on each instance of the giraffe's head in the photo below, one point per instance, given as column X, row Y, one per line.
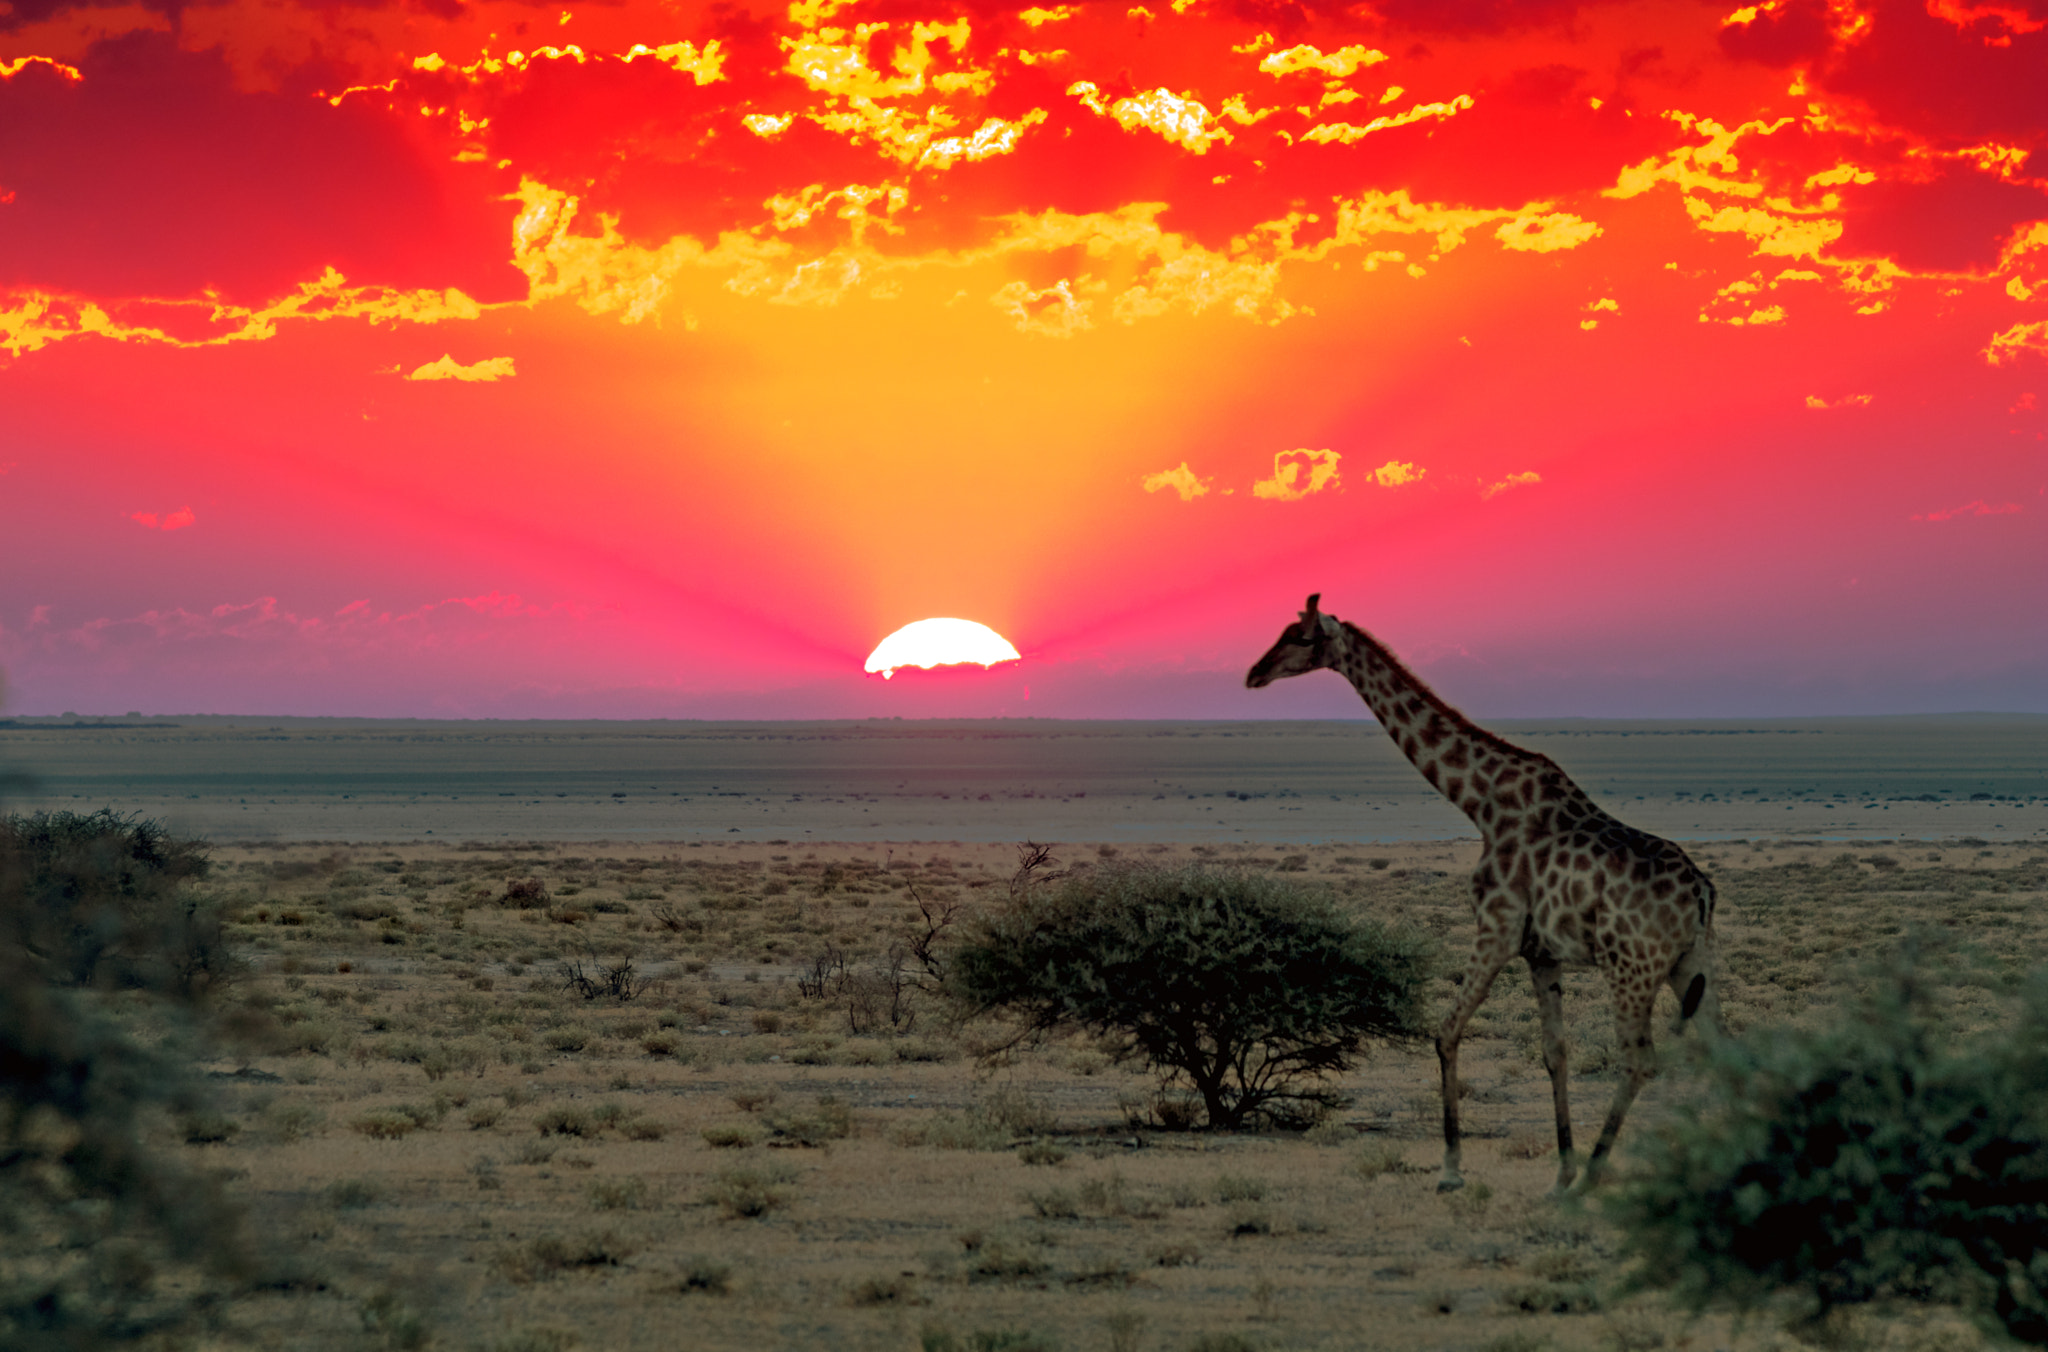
column 1304, row 646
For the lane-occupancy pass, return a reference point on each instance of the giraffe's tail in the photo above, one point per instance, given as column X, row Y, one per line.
column 1693, row 978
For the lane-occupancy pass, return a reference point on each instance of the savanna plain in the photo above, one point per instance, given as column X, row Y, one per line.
column 533, row 1094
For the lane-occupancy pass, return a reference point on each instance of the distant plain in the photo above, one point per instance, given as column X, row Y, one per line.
column 470, row 1154
column 285, row 779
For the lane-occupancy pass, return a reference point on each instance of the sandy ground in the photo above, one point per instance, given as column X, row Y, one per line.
column 1013, row 1204
column 344, row 780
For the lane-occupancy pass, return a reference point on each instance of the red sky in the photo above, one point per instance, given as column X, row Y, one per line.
column 430, row 358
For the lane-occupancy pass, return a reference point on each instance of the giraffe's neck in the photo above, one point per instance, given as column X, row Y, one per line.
column 1467, row 764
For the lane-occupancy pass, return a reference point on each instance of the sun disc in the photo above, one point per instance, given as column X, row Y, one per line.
column 937, row 643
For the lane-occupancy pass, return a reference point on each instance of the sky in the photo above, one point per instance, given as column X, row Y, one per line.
column 432, row 359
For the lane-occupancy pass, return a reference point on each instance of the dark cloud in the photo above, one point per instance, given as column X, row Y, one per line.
column 154, row 175
column 1925, row 75
column 1956, row 222
column 1455, row 17
column 1794, row 33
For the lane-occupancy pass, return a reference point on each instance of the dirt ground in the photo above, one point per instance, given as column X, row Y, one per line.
column 472, row 1154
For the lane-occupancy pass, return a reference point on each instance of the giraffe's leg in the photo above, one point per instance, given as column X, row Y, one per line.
column 1635, row 995
column 1488, row 957
column 1550, row 1005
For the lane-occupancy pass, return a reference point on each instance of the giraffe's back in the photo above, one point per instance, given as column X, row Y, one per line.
column 1601, row 892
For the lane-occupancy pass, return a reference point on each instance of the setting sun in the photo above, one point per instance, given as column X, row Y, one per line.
column 939, row 642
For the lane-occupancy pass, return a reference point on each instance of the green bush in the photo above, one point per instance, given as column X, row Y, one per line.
column 106, row 1240
column 99, row 899
column 1248, row 988
column 1881, row 1159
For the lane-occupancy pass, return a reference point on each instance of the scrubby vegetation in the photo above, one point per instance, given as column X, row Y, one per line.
column 1883, row 1159
column 1247, row 990
column 107, row 1239
column 778, row 1138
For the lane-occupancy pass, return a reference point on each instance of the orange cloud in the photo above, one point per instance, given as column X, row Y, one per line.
column 1521, row 480
column 1977, row 508
column 1299, row 473
column 1181, row 480
column 1395, row 473
column 35, row 320
column 2016, row 341
column 177, row 520
column 447, row 368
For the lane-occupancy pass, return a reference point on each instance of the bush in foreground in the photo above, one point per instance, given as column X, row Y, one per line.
column 1248, row 989
column 104, row 1240
column 1876, row 1161
column 100, row 899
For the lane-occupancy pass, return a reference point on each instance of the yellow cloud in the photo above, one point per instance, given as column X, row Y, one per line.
column 1178, row 118
column 1297, row 474
column 1549, row 232
column 1344, row 133
column 1181, row 480
column 10, row 69
column 34, row 320
column 2017, row 340
column 1052, row 312
column 1521, row 480
column 1783, row 236
column 1814, row 401
column 488, row 370
column 1037, row 18
column 706, row 66
column 1395, row 473
column 995, row 136
column 1342, row 63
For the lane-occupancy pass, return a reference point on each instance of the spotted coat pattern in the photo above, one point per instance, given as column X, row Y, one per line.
column 1559, row 881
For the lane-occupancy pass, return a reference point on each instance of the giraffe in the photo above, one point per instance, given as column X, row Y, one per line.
column 1559, row 881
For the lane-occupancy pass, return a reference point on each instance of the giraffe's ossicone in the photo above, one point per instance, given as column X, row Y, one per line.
column 1559, row 883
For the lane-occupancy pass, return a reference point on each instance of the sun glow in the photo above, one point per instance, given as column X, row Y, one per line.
column 940, row 642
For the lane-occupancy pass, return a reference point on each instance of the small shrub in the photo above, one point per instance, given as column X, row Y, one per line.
column 546, row 1255
column 295, row 1121
column 707, row 1276
column 749, row 1194
column 1223, row 1342
column 1875, row 1161
column 565, row 1121
column 527, row 894
column 830, row 1120
column 618, row 1194
column 897, row 1290
column 1041, row 1152
column 1056, row 1204
column 643, row 1129
column 1246, row 988
column 210, row 1128
column 485, row 1116
column 727, row 1137
column 1236, row 1188
column 384, row 1125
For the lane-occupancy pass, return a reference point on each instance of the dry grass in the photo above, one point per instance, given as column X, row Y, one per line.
column 468, row 1148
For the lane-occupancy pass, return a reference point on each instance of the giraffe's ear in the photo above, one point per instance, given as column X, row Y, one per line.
column 1309, row 616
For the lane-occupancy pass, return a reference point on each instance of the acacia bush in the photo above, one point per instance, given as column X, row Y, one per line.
column 1882, row 1159
column 1246, row 989
column 104, row 1240
column 101, row 899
